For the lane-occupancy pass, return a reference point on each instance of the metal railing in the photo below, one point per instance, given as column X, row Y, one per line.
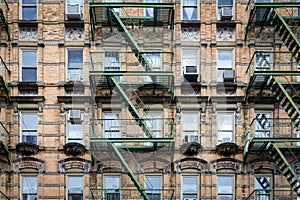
column 154, row 194
column 260, row 194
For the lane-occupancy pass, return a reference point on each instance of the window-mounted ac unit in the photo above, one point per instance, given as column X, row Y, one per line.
column 191, row 70
column 73, row 11
column 229, row 75
column 74, row 77
column 226, row 13
column 74, row 115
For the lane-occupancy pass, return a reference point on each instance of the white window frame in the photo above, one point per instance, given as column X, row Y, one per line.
column 227, row 193
column 27, row 130
column 78, row 127
column 28, row 5
column 219, row 10
column 196, row 6
column 22, row 65
column 79, row 69
column 220, row 138
column 80, row 185
column 192, row 193
column 221, row 67
column 190, row 57
column 190, row 132
column 34, row 194
column 115, row 189
column 155, row 191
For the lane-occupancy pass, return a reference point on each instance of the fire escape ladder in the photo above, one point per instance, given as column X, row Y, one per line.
column 130, row 173
column 121, row 27
column 285, row 166
column 285, row 100
column 286, row 34
column 133, row 111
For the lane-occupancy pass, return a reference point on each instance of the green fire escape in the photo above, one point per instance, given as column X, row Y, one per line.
column 275, row 73
column 135, row 138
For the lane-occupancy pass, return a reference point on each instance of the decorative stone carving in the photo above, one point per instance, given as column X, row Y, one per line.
column 189, row 163
column 111, row 36
column 190, row 148
column 74, row 163
column 28, row 92
column 190, row 33
column 74, row 33
column 29, row 163
column 226, row 164
column 153, row 35
column 238, row 115
column 28, row 33
column 74, row 149
column 227, row 149
column 226, row 33
column 26, row 148
column 265, row 35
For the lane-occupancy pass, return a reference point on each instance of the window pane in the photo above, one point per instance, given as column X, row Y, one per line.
column 225, row 184
column 189, row 2
column 225, row 121
column 189, row 183
column 28, row 1
column 190, row 121
column 224, row 59
column 29, row 75
column 225, row 2
column 29, row 13
column 29, row 59
column 112, row 182
column 75, row 184
column 189, row 58
column 189, row 13
column 75, row 59
column 29, row 184
column 29, row 121
column 75, row 1
column 75, row 130
column 153, row 182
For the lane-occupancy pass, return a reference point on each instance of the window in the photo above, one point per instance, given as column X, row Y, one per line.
column 155, row 123
column 75, row 187
column 150, row 12
column 263, row 124
column 262, row 187
column 112, row 62
column 225, row 187
column 225, row 127
column 29, row 187
column 260, row 12
column 190, row 65
column 74, row 9
column 29, row 9
column 75, row 64
column 75, row 127
column 155, row 60
column 298, row 69
column 190, row 187
column 112, row 187
column 29, row 127
column 112, row 125
column 29, row 65
column 153, row 187
column 225, row 65
column 225, row 9
column 190, row 127
column 189, row 10
column 262, row 61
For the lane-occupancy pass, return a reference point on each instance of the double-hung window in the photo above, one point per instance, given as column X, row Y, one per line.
column 112, row 186
column 190, row 127
column 29, row 65
column 262, row 187
column 29, row 187
column 263, row 124
column 225, row 65
column 29, row 127
column 263, row 61
column 153, row 187
column 112, row 62
column 225, row 126
column 75, row 65
column 189, row 10
column 29, row 9
column 260, row 11
column 190, row 187
column 225, row 187
column 190, row 65
column 75, row 127
column 75, row 187
column 225, row 9
column 112, row 125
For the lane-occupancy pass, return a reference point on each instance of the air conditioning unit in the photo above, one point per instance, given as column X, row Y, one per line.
column 226, row 13
column 73, row 11
column 74, row 115
column 229, row 75
column 191, row 70
column 74, row 77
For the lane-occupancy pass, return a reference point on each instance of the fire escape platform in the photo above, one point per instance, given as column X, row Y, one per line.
column 3, row 17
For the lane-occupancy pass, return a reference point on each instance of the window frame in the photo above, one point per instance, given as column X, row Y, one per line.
column 22, row 130
column 68, row 184
column 155, row 191
column 232, row 193
column 196, row 6
column 271, row 59
column 78, row 126
column 220, row 6
column 220, row 67
column 24, row 66
column 118, row 194
column 190, row 133
column 187, row 55
column 261, row 192
column 116, row 133
column 28, row 5
column 220, row 131
column 269, row 112
column 197, row 192
column 78, row 68
column 22, row 193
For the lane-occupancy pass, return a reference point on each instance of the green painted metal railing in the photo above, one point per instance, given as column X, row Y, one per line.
column 107, row 194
